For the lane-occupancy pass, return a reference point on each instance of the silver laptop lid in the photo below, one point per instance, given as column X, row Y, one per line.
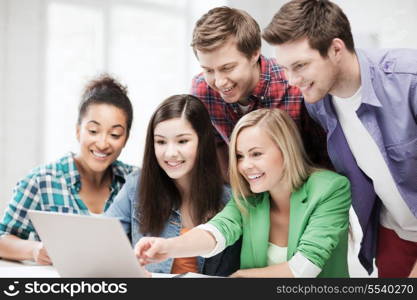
column 86, row 246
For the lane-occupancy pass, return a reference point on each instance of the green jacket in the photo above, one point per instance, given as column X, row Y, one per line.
column 318, row 229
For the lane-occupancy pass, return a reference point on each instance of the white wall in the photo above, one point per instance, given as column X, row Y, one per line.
column 2, row 108
column 391, row 24
column 21, row 102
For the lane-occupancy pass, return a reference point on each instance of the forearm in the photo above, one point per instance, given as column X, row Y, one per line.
column 275, row 271
column 14, row 248
column 196, row 242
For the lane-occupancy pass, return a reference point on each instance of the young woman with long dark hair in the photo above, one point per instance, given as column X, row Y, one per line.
column 179, row 187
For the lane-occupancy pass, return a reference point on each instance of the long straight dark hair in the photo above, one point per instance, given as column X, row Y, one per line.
column 157, row 193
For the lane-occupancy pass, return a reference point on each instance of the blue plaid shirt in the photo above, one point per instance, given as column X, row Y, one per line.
column 53, row 187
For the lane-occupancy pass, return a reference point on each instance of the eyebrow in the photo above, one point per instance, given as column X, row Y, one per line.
column 222, row 66
column 300, row 61
column 178, row 135
column 97, row 123
column 253, row 148
column 293, row 64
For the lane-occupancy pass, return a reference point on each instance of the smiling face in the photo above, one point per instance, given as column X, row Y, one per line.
column 314, row 75
column 175, row 144
column 259, row 160
column 230, row 72
column 102, row 135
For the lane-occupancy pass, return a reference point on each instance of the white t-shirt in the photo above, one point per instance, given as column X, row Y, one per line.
column 395, row 213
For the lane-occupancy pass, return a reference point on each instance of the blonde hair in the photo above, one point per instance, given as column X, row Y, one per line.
column 284, row 133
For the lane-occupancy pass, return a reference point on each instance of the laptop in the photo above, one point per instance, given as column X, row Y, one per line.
column 86, row 246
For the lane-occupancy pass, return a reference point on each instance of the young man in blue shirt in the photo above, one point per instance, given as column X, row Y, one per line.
column 367, row 103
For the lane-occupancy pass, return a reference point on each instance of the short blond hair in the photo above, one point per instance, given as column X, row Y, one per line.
column 220, row 24
column 284, row 133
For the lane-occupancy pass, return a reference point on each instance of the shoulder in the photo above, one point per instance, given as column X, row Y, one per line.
column 59, row 168
column 391, row 61
column 126, row 197
column 134, row 176
column 132, row 180
column 47, row 177
column 198, row 79
column 324, row 182
column 199, row 87
column 122, row 169
column 326, row 177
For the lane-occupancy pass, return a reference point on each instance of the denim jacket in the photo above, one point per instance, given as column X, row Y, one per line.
column 125, row 207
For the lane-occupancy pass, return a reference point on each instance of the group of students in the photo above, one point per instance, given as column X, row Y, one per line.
column 284, row 214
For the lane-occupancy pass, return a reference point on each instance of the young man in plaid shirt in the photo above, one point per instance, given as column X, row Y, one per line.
column 237, row 79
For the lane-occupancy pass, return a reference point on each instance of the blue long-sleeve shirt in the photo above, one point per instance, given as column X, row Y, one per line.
column 389, row 112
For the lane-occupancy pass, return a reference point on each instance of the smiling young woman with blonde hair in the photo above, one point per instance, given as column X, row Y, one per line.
column 284, row 133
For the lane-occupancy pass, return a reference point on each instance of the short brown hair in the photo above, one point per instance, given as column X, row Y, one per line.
column 320, row 21
column 215, row 27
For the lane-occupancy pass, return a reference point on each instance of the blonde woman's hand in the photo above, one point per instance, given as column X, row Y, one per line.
column 151, row 250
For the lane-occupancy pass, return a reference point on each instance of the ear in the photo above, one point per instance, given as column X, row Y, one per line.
column 255, row 56
column 336, row 49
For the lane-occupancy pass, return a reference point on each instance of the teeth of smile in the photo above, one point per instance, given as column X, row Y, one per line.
column 174, row 164
column 229, row 89
column 99, row 154
column 254, row 176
